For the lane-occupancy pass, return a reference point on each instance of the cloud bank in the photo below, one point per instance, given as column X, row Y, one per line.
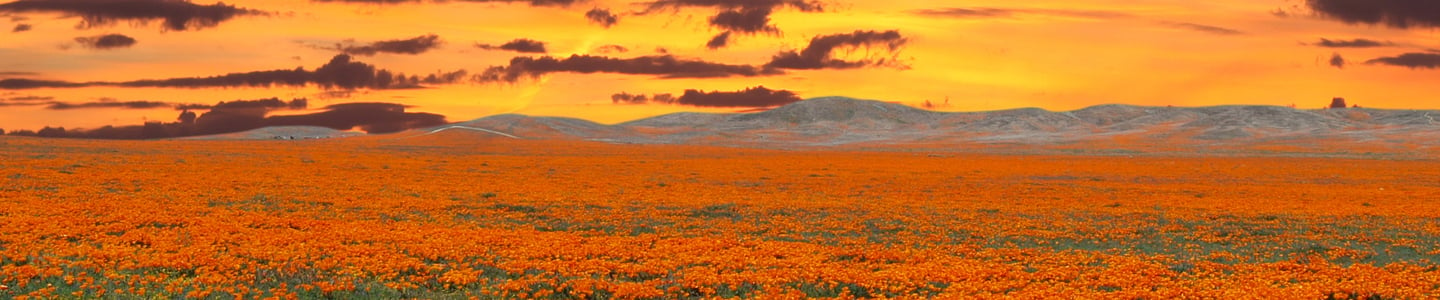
column 602, row 16
column 1355, row 43
column 517, row 45
column 1391, row 13
column 411, row 46
column 177, row 15
column 819, row 54
column 737, row 16
column 340, row 73
column 106, row 41
column 758, row 96
column 1414, row 60
column 663, row 66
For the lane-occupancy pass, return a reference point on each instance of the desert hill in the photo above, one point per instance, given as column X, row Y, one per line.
column 840, row 121
column 544, row 127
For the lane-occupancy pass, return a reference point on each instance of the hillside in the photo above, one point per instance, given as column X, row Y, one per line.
column 854, row 123
column 843, row 121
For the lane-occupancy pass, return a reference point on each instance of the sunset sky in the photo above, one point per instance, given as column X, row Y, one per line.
column 91, row 63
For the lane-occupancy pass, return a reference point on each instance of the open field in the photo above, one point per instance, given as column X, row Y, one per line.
column 447, row 217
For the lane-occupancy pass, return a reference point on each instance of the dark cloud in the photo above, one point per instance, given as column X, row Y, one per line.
column 559, row 3
column 261, row 104
column 1337, row 61
column 1203, row 28
column 226, row 117
column 1412, row 60
column 802, row 5
column 106, row 41
column 340, row 73
column 16, row 74
column 107, row 103
column 258, row 106
column 992, row 12
column 25, row 100
column 8, row 104
column 1391, row 13
column 29, row 98
column 719, row 41
column 602, row 16
column 747, row 20
column 1355, row 43
column 664, row 66
column 21, row 83
column 742, row 16
column 22, row 28
column 517, row 45
column 627, row 98
column 611, row 49
column 819, row 53
column 370, row 117
column 1280, row 13
column 217, row 121
column 751, row 97
column 412, row 46
column 179, row 15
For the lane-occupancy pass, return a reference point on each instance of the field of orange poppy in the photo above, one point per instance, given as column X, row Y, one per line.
column 453, row 218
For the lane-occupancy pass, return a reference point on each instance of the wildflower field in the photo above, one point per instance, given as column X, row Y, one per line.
column 449, row 218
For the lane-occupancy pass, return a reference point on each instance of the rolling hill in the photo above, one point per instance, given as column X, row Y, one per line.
column 846, row 122
column 843, row 121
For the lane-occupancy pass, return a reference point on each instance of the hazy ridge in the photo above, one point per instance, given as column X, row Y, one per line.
column 845, row 121
column 840, row 121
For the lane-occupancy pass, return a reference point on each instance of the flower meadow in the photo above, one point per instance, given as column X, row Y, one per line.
column 442, row 217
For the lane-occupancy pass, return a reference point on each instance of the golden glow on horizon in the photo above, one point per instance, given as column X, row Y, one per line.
column 1060, row 55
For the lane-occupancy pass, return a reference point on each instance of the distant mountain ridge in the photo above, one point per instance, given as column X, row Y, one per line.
column 835, row 121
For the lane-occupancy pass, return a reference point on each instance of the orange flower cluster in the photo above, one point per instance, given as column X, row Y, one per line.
column 458, row 217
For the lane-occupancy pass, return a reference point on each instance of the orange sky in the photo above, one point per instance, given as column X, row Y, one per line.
column 980, row 55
